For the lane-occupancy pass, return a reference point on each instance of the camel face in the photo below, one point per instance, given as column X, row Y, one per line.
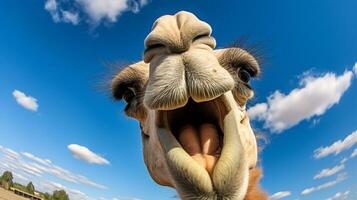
column 190, row 102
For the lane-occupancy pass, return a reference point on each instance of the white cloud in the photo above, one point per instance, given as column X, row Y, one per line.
column 339, row 196
column 94, row 11
column 344, row 160
column 337, row 147
column 27, row 102
column 23, row 164
column 9, row 152
column 72, row 193
column 60, row 15
column 20, row 176
column 355, row 68
column 354, row 153
column 103, row 9
column 329, row 171
column 70, row 17
column 280, row 195
column 21, row 167
column 258, row 111
column 313, row 98
column 84, row 154
column 340, row 177
column 45, row 185
column 51, row 7
column 125, row 198
column 37, row 159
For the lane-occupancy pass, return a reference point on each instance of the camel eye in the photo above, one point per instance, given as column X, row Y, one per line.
column 129, row 95
column 244, row 75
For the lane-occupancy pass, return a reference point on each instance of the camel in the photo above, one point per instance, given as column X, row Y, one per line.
column 189, row 99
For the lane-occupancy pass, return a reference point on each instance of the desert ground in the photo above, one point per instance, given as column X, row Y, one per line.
column 7, row 195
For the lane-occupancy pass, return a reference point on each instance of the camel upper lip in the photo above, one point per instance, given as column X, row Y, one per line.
column 212, row 112
column 225, row 112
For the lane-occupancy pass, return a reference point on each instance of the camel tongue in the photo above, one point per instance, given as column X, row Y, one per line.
column 202, row 144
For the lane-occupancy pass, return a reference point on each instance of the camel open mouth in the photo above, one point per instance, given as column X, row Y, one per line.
column 198, row 127
column 202, row 143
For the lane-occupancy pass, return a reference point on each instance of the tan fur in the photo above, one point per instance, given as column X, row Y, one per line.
column 254, row 192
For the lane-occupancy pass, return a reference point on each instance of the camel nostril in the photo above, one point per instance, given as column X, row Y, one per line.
column 154, row 46
column 204, row 35
column 177, row 48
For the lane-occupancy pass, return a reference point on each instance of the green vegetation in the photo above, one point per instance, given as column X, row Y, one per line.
column 6, row 181
column 57, row 195
column 46, row 196
column 30, row 188
column 60, row 195
column 19, row 187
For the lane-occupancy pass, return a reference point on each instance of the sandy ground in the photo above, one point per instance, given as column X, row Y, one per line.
column 7, row 195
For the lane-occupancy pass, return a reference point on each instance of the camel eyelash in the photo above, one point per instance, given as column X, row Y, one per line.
column 237, row 58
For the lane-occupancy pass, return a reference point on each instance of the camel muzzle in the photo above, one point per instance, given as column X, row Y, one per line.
column 182, row 63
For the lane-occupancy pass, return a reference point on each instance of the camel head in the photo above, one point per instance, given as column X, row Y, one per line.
column 189, row 99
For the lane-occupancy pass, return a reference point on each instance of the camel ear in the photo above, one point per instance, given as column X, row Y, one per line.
column 131, row 79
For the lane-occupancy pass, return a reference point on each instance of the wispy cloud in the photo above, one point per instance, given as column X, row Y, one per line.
column 340, row 177
column 125, row 198
column 354, row 153
column 339, row 196
column 280, row 195
column 315, row 96
column 60, row 15
column 73, row 193
column 91, row 11
column 31, row 167
column 51, row 7
column 84, row 154
column 70, row 17
column 27, row 102
column 337, row 147
column 9, row 152
column 258, row 111
column 20, row 176
column 37, row 159
column 329, row 171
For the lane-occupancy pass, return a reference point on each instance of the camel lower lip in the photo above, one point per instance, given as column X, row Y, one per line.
column 190, row 174
column 198, row 127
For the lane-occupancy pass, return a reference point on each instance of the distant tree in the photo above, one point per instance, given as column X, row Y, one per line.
column 7, row 176
column 47, row 196
column 60, row 195
column 6, row 180
column 30, row 188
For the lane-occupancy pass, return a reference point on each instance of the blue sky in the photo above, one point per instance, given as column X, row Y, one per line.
column 56, row 52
